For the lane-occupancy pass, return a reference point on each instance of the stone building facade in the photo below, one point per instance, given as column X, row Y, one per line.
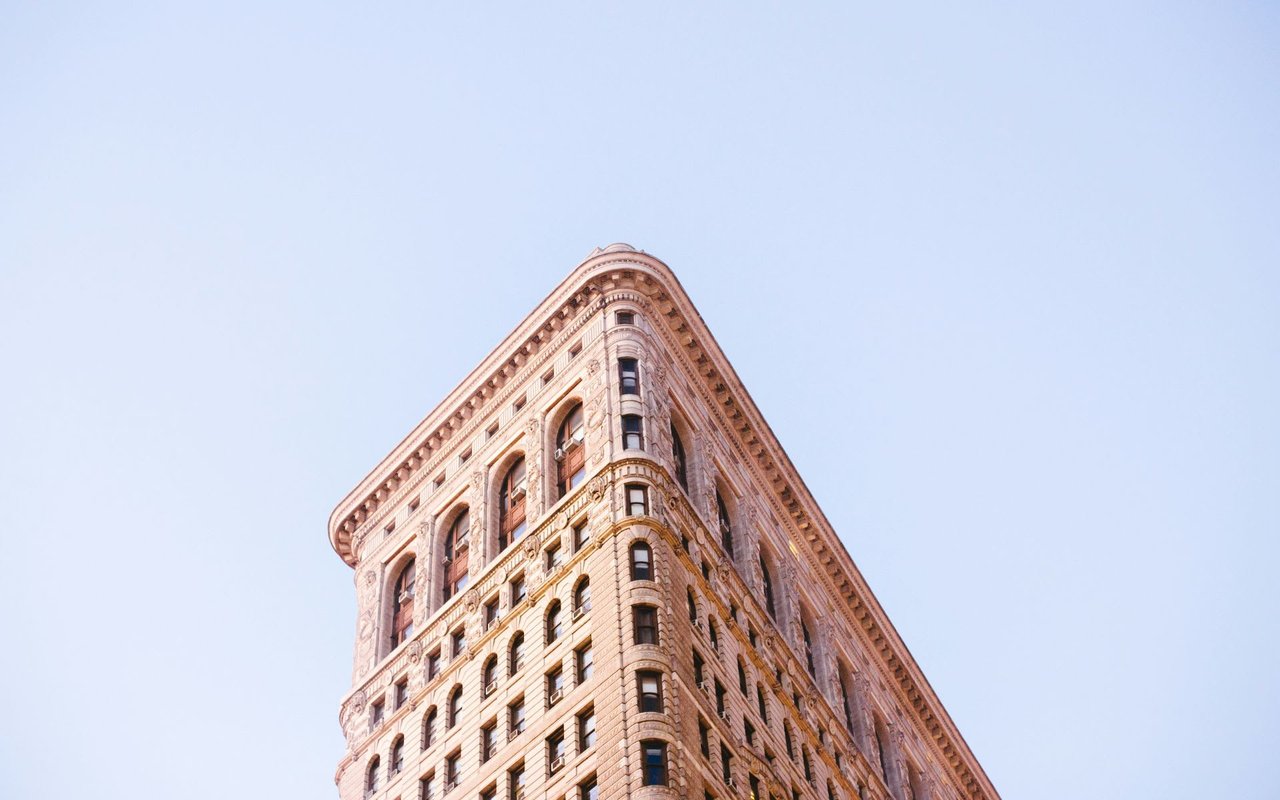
column 592, row 572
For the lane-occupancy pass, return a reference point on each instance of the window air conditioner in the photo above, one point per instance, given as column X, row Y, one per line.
column 577, row 437
column 555, row 696
column 724, row 714
column 560, row 454
column 406, row 596
column 519, row 794
column 578, row 612
column 731, row 783
column 557, row 763
column 517, row 492
column 490, row 687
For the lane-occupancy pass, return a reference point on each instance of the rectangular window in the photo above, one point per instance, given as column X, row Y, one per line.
column 377, row 710
column 518, row 589
column 555, row 686
column 649, row 689
column 402, row 692
column 704, row 738
column 586, row 728
column 575, row 350
column 515, row 782
column 457, row 643
column 584, row 663
column 490, row 613
column 433, row 664
column 580, row 535
column 548, row 377
column 427, row 787
column 490, row 793
column 587, row 790
column 698, row 664
column 629, row 375
column 555, row 751
column 553, row 556
column 414, row 503
column 637, row 500
column 488, row 740
column 451, row 774
column 646, row 624
column 491, row 431
column 515, row 719
column 625, row 317
column 632, row 432
column 726, row 763
column 519, row 403
column 654, row 757
column 438, row 482
column 760, row 704
column 749, row 731
column 720, row 698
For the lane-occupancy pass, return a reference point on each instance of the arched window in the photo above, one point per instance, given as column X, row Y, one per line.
column 397, row 755
column 582, row 596
column 693, row 606
column 511, row 508
column 489, row 677
column 555, row 625
column 641, row 562
column 726, row 527
column 515, row 656
column 571, row 466
column 371, row 775
column 742, row 677
column 429, row 728
column 678, row 458
column 768, row 588
column 402, row 606
column 714, row 634
column 455, row 706
column 881, row 736
column 456, row 547
column 845, row 703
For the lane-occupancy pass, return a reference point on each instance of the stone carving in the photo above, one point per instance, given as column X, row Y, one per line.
column 531, row 426
column 472, row 601
column 477, row 480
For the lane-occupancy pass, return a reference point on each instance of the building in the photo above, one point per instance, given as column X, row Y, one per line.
column 592, row 572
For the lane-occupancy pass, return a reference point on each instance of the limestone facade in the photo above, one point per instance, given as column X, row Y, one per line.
column 679, row 621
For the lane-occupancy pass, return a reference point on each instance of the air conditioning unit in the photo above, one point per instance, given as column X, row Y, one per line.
column 513, row 734
column 577, row 437
column 517, row 492
column 460, row 546
column 560, row 454
column 579, row 612
column 555, row 696
column 406, row 596
column 732, row 783
column 705, row 685
column 450, row 784
column 519, row 794
column 557, row 763
column 446, row 561
column 724, row 714
column 489, row 688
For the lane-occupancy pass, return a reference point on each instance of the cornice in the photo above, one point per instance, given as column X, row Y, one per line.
column 651, row 283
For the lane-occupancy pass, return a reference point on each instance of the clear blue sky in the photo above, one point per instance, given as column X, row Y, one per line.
column 1002, row 278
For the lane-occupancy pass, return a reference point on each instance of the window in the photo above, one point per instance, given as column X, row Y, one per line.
column 519, row 590
column 587, row 790
column 491, row 431
column 583, row 663
column 437, row 482
column 808, row 647
column 462, row 457
column 693, row 606
column 678, row 459
column 754, row 783
column 489, row 677
column 519, row 402
column 490, row 613
column 554, row 557
column 371, row 775
column 433, row 664
column 625, row 318
column 697, row 667
column 582, row 596
column 515, row 719
column 457, row 643
column 555, row 686
column 767, row 580
column 714, row 634
column 726, row 763
column 515, row 656
column 654, row 756
column 880, row 734
column 649, row 689
column 575, row 350
column 490, row 793
column 580, row 535
column 753, row 637
column 786, row 736
column 397, row 755
column 571, row 459
column 427, row 787
column 555, row 625
column 637, row 500
column 515, row 782
column 726, row 527
column 704, row 738
column 402, row 692
column 646, row 624
column 451, row 775
column 808, row 768
column 511, row 506
column 402, row 606
column 429, row 729
column 749, row 732
column 455, row 554
column 742, row 677
column 455, row 706
column 390, row 529
column 488, row 740
column 586, row 728
column 555, row 751
column 720, row 693
column 548, row 377
column 632, row 432
column 641, row 562
column 629, row 376
column 760, row 704
column 377, row 711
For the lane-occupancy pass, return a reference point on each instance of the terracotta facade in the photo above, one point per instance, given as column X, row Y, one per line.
column 774, row 673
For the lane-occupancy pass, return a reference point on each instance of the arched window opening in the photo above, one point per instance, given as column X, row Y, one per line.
column 845, row 702
column 456, row 548
column 402, row 606
column 768, row 588
column 397, row 755
column 641, row 562
column 511, row 505
column 714, row 634
column 429, row 728
column 555, row 624
column 678, row 458
column 726, row 527
column 693, row 606
column 371, row 782
column 455, row 707
column 489, row 676
column 582, row 597
column 742, row 677
column 808, row 647
column 571, row 459
column 515, row 657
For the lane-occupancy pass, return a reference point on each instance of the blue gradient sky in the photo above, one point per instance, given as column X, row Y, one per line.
column 1002, row 278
